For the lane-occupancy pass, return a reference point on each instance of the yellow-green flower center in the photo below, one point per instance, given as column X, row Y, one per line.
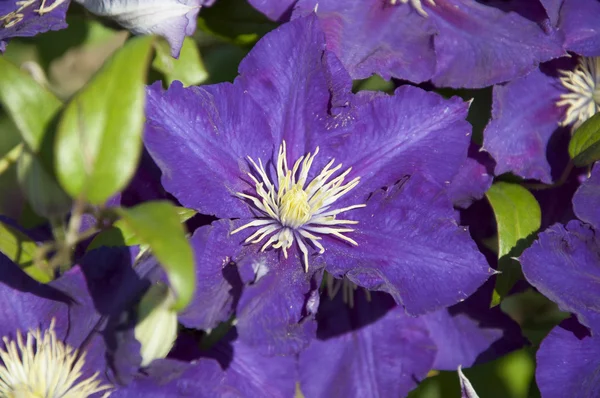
column 294, row 211
column 583, row 97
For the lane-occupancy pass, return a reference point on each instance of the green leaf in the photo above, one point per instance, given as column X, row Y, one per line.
column 158, row 225
column 518, row 217
column 22, row 250
column 30, row 106
column 188, row 69
column 121, row 235
column 584, row 147
column 43, row 193
column 99, row 139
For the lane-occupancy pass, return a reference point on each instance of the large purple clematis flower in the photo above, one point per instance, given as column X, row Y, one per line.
column 564, row 265
column 295, row 165
column 29, row 17
column 454, row 43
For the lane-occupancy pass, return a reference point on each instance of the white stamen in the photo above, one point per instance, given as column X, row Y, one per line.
column 294, row 212
column 583, row 98
column 416, row 4
column 17, row 15
column 43, row 366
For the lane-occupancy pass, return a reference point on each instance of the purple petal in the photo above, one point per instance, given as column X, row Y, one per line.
column 31, row 23
column 454, row 45
column 579, row 22
column 524, row 118
column 568, row 365
column 236, row 371
column 172, row 19
column 563, row 265
column 474, row 178
column 552, row 8
column 471, row 333
column 410, row 246
column 275, row 9
column 586, row 199
column 367, row 359
column 218, row 283
column 368, row 38
column 413, row 131
column 210, row 130
column 272, row 312
column 28, row 304
column 286, row 75
column 506, row 34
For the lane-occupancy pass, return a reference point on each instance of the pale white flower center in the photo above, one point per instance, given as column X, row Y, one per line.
column 17, row 15
column 42, row 366
column 294, row 211
column 583, row 99
column 416, row 4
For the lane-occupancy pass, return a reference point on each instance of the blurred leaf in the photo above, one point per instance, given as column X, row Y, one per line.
column 43, row 193
column 235, row 21
column 188, row 69
column 158, row 225
column 584, row 147
column 121, row 235
column 30, row 106
column 21, row 250
column 99, row 141
column 518, row 217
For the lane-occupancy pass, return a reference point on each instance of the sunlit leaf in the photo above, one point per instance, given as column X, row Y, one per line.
column 99, row 141
column 518, row 216
column 158, row 225
column 22, row 251
column 188, row 69
column 584, row 147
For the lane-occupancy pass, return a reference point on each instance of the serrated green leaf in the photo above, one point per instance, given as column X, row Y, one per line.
column 99, row 139
column 584, row 146
column 518, row 217
column 30, row 106
column 188, row 68
column 22, row 251
column 158, row 225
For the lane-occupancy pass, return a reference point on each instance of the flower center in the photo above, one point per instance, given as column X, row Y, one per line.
column 42, row 366
column 416, row 4
column 294, row 211
column 583, row 99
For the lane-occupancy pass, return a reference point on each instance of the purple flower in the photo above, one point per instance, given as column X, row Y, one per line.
column 564, row 265
column 454, row 43
column 295, row 164
column 172, row 19
column 49, row 343
column 531, row 115
column 29, row 17
column 577, row 20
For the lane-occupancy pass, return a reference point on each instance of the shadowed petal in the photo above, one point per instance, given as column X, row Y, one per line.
column 563, row 264
column 524, row 118
column 587, row 198
column 568, row 364
column 371, row 357
column 579, row 23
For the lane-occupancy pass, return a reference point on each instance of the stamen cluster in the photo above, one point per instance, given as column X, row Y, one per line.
column 43, row 366
column 293, row 211
column 583, row 99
